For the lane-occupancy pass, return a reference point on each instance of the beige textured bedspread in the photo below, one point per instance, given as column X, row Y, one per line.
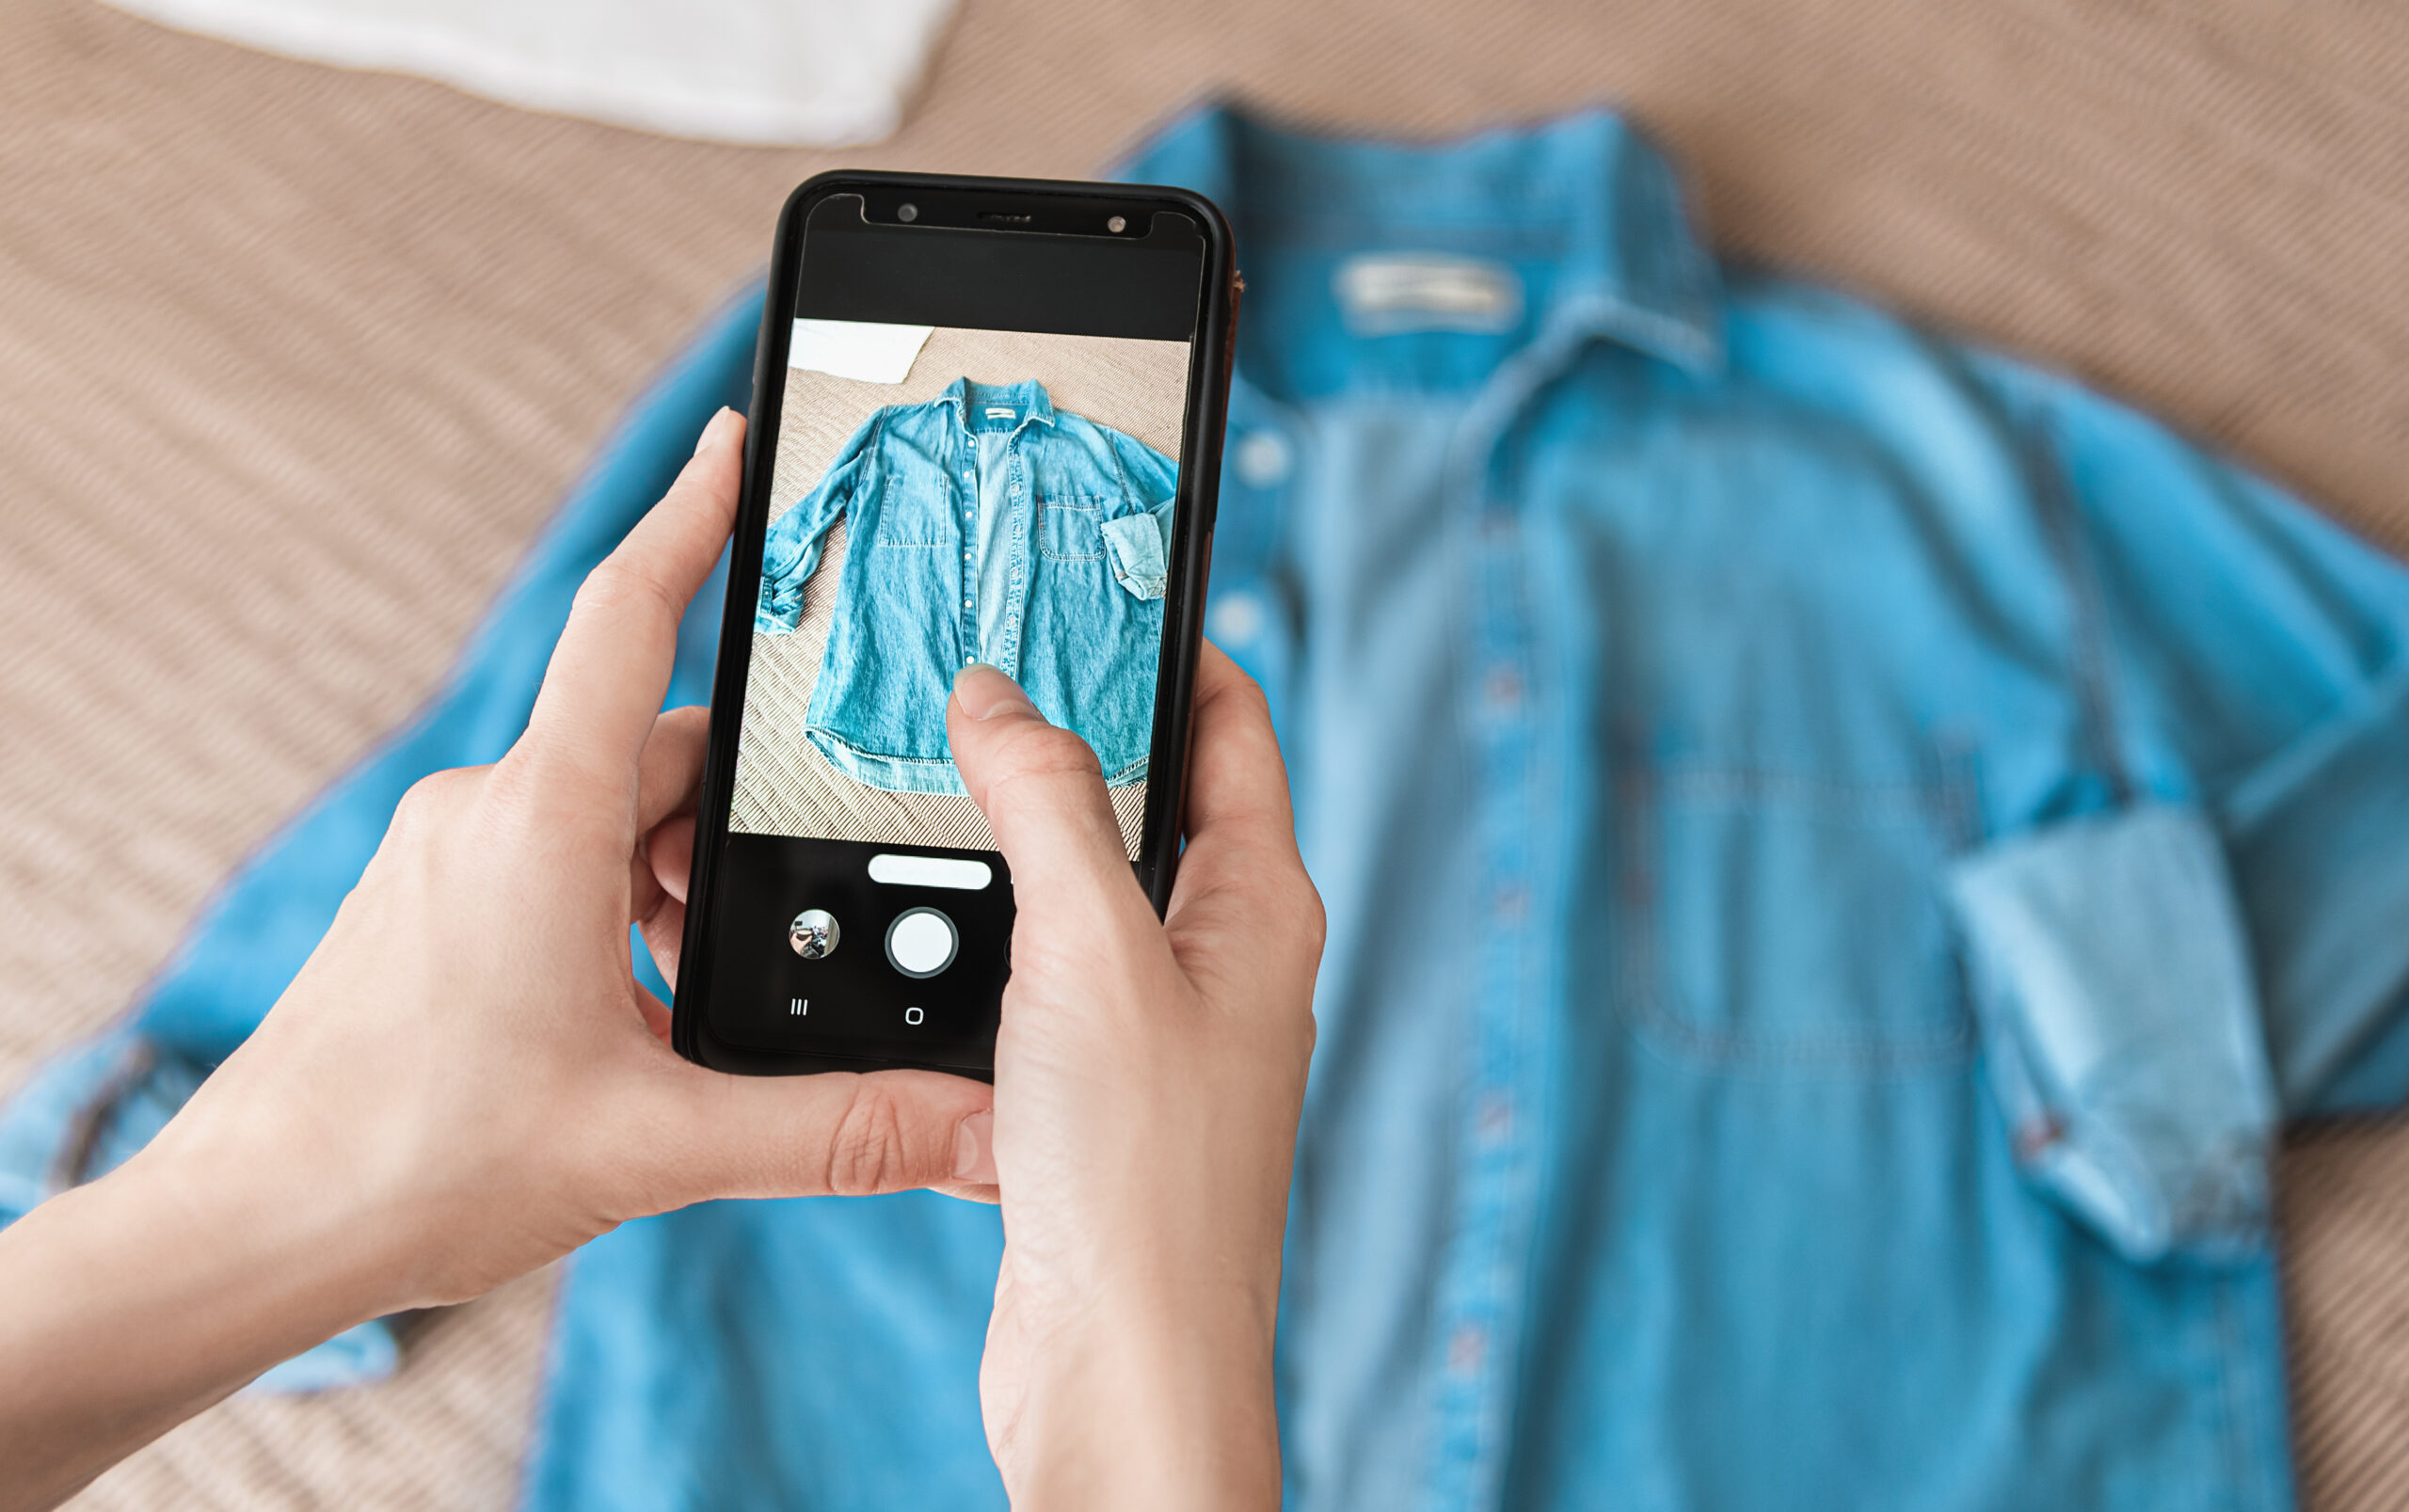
column 293, row 362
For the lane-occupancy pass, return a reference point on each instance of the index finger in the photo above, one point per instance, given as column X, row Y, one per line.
column 1237, row 785
column 1241, row 832
column 611, row 669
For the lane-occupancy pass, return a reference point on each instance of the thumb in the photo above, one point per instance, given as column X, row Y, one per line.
column 839, row 1134
column 1043, row 797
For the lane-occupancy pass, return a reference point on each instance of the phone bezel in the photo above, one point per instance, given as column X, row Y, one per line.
column 1209, row 379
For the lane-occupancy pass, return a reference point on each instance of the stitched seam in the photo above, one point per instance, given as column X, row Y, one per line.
column 1940, row 802
column 2092, row 666
column 1901, row 799
column 881, row 756
column 1060, row 505
column 887, row 494
column 2240, row 1461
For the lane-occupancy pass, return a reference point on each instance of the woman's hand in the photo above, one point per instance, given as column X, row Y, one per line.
column 1149, row 1076
column 465, row 1081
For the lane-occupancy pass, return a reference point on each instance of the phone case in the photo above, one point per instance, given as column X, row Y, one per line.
column 1211, row 364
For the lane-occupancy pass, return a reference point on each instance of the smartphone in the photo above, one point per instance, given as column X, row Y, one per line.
column 987, row 427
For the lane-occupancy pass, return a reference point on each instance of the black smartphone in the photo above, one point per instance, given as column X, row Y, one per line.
column 987, row 427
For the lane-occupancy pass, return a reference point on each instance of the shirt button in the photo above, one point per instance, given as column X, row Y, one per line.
column 1502, row 688
column 1236, row 618
column 1465, row 1347
column 965, row 603
column 1496, row 1118
column 1510, row 901
column 1262, row 459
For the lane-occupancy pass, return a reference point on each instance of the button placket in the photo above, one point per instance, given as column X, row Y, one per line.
column 1250, row 614
column 1481, row 1300
column 967, row 635
column 1481, row 1296
column 1021, row 504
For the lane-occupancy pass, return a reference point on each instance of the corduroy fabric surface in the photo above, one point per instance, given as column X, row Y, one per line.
column 293, row 364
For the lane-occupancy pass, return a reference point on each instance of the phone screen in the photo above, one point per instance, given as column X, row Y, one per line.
column 976, row 458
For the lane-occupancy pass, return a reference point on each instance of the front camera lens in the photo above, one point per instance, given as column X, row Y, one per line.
column 907, row 213
column 1117, row 224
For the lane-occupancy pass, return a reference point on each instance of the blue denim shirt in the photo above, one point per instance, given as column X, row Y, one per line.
column 1840, row 847
column 985, row 525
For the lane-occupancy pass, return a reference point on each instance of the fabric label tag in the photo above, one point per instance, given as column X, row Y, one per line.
column 1384, row 294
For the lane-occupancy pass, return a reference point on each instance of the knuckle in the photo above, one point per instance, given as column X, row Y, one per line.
column 685, row 722
column 427, row 801
column 1249, row 695
column 511, row 785
column 867, row 1154
column 519, row 805
column 415, row 812
column 1049, row 750
column 614, row 588
column 429, row 821
column 1239, row 691
column 1290, row 898
column 1035, row 764
column 1306, row 907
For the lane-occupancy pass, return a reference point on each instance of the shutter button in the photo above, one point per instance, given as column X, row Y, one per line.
column 921, row 942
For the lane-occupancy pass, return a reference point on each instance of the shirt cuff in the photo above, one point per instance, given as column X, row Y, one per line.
column 1135, row 543
column 2111, row 977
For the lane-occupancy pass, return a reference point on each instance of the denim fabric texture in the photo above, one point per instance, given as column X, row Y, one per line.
column 1839, row 849
column 985, row 525
column 1842, row 848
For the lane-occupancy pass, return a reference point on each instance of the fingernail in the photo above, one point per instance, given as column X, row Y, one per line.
column 714, row 431
column 974, row 1149
column 983, row 692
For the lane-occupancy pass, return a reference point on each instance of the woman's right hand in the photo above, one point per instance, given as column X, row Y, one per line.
column 1149, row 1076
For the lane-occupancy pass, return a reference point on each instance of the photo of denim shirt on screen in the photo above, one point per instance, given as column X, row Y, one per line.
column 983, row 525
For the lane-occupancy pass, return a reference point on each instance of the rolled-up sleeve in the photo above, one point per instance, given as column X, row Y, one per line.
column 2163, row 979
column 791, row 551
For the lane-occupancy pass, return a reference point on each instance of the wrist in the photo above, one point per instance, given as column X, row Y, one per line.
column 284, row 1237
column 262, row 1190
column 267, row 1258
column 147, row 1296
column 1159, row 1398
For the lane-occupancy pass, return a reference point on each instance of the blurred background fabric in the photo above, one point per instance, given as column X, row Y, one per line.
column 294, row 362
column 827, row 72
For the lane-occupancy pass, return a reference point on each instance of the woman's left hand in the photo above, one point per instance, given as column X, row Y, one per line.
column 465, row 1081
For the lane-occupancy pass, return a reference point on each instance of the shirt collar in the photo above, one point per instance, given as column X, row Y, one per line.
column 1587, row 190
column 1027, row 396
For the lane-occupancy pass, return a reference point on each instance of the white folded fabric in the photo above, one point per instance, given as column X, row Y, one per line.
column 771, row 72
column 871, row 352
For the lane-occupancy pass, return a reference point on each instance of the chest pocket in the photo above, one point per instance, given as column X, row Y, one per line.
column 913, row 510
column 1791, row 925
column 1069, row 527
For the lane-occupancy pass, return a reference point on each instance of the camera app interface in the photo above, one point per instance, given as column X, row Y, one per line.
column 941, row 494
